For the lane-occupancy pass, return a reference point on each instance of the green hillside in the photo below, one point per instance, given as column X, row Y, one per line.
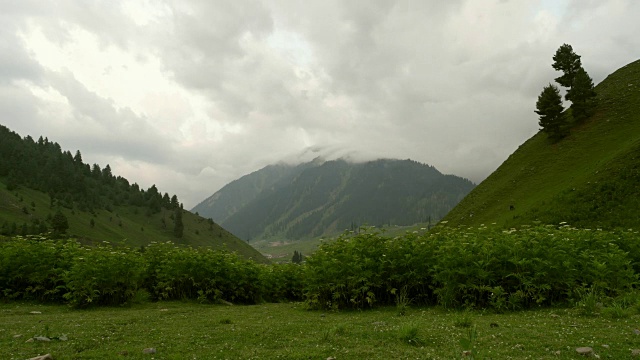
column 589, row 179
column 38, row 180
column 129, row 225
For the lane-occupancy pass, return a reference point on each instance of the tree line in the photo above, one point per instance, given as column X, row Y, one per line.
column 70, row 183
column 580, row 91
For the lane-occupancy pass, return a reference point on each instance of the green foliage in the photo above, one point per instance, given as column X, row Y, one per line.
column 582, row 96
column 103, row 275
column 408, row 333
column 552, row 119
column 464, row 319
column 204, row 274
column 66, row 271
column 484, row 267
column 283, row 282
column 297, row 257
column 567, row 61
column 589, row 301
column 32, row 268
column 366, row 269
column 403, row 301
column 468, row 344
column 457, row 268
column 59, row 223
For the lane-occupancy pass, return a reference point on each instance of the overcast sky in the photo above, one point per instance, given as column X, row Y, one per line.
column 190, row 95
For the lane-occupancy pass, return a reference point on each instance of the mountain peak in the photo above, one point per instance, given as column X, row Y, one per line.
column 321, row 197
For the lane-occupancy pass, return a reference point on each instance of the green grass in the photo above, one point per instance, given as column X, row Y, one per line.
column 129, row 225
column 589, row 179
column 180, row 330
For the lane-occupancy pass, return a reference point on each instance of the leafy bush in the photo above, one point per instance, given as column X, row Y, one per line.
column 282, row 282
column 32, row 268
column 459, row 268
column 357, row 271
column 484, row 267
column 204, row 274
column 104, row 275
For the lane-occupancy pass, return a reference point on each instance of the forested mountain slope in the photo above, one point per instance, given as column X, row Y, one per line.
column 325, row 197
column 43, row 187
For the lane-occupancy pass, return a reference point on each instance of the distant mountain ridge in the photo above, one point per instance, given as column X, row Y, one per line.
column 322, row 197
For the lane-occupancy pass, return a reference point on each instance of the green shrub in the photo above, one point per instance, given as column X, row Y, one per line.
column 103, row 275
column 203, row 274
column 408, row 333
column 31, row 268
column 483, row 267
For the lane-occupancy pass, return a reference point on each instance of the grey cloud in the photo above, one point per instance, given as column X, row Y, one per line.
column 448, row 83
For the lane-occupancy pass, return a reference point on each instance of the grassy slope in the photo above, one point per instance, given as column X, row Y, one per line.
column 588, row 179
column 286, row 331
column 126, row 222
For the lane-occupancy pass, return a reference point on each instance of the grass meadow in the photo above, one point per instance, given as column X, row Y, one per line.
column 188, row 330
column 481, row 293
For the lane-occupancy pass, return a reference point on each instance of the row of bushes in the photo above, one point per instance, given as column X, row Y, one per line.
column 484, row 267
column 65, row 271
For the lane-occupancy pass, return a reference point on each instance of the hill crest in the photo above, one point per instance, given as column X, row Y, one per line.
column 590, row 179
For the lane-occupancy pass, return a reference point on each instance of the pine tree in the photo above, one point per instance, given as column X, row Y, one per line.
column 178, row 227
column 297, row 257
column 174, row 202
column 59, row 223
column 77, row 159
column 552, row 119
column 568, row 62
column 582, row 96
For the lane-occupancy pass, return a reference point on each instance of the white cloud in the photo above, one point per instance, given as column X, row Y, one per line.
column 190, row 95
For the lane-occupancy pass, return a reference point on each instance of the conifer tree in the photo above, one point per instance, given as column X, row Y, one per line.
column 297, row 257
column 582, row 96
column 567, row 61
column 552, row 119
column 59, row 223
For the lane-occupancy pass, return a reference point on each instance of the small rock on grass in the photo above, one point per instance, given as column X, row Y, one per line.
column 584, row 350
column 635, row 352
column 149, row 351
column 43, row 357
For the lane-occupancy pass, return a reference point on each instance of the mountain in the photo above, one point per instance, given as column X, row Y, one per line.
column 590, row 179
column 324, row 197
column 40, row 183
